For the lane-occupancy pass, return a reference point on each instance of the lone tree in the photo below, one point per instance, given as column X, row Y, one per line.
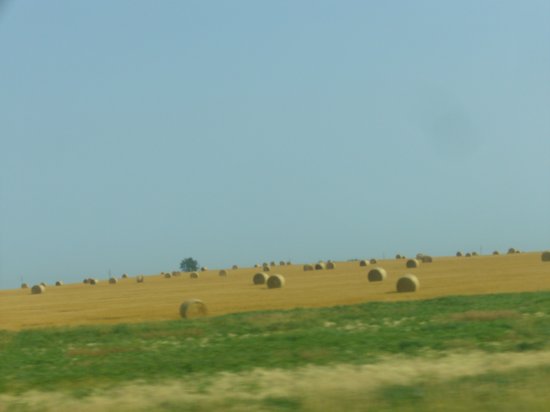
column 189, row 265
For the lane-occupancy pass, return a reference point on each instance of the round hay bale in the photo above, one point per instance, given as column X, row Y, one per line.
column 266, row 268
column 330, row 265
column 176, row 273
column 43, row 284
column 363, row 263
column 419, row 256
column 204, row 269
column 167, row 275
column 113, row 281
column 426, row 259
column 24, row 285
column 474, row 253
column 413, row 263
column 288, row 263
column 124, row 276
column 373, row 261
column 496, row 253
column 320, row 266
column 275, row 282
column 93, row 281
column 222, row 272
column 468, row 254
column 193, row 308
column 235, row 267
column 408, row 283
column 459, row 254
column 194, row 275
column 282, row 263
column 272, row 263
column 87, row 280
column 308, row 267
column 398, row 256
column 260, row 278
column 37, row 289
column 517, row 251
column 256, row 265
column 59, row 283
column 511, row 251
column 377, row 275
column 545, row 257
column 140, row 279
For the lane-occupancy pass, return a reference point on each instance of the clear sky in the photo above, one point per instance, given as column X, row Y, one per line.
column 137, row 133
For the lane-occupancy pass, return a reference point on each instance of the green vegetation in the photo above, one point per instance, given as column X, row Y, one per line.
column 79, row 360
column 189, row 265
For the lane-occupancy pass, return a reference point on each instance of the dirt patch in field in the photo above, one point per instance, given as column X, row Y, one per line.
column 313, row 387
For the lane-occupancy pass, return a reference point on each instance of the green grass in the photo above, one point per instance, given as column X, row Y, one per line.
column 519, row 390
column 75, row 359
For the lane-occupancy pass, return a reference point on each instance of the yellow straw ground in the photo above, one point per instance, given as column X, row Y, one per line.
column 159, row 298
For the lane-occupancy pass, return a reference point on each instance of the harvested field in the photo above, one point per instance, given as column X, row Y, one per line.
column 77, row 303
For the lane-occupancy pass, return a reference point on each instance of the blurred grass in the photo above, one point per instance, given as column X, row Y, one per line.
column 76, row 359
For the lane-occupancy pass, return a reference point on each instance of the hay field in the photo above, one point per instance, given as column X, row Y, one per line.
column 159, row 298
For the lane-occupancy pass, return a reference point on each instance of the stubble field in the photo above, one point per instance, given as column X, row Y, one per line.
column 159, row 298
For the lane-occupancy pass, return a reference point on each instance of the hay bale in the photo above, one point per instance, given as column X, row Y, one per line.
column 204, row 269
column 511, row 251
column 266, row 268
column 373, row 261
column 43, row 284
column 419, row 256
column 426, row 259
column 193, row 308
column 496, row 253
column 93, row 281
column 545, row 257
column 256, row 265
column 140, row 279
column 408, row 283
column 175, row 273
column 377, row 275
column 459, row 254
column 363, row 263
column 272, row 263
column 37, row 289
column 468, row 254
column 24, row 285
column 474, row 253
column 86, row 281
column 235, row 267
column 124, row 276
column 308, row 268
column 412, row 263
column 330, row 265
column 113, row 281
column 275, row 282
column 282, row 263
column 59, row 283
column 288, row 263
column 260, row 278
column 167, row 275
column 320, row 266
column 194, row 275
column 398, row 256
column 222, row 272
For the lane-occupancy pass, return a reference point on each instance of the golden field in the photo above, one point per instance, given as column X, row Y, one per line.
column 159, row 298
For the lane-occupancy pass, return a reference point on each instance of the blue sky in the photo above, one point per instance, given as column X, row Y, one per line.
column 136, row 133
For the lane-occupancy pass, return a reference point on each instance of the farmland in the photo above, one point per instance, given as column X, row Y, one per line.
column 158, row 298
column 473, row 337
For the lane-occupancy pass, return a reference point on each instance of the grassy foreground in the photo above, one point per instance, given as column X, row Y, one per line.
column 81, row 362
